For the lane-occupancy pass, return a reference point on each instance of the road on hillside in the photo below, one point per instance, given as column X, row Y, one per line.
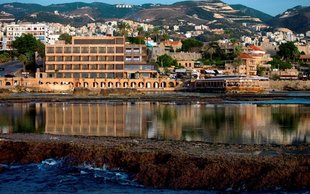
column 10, row 68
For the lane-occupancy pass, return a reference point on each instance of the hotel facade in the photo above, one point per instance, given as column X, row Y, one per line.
column 95, row 62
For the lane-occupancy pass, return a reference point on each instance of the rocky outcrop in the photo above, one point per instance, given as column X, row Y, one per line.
column 170, row 164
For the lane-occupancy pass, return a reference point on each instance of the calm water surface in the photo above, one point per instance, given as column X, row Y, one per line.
column 248, row 123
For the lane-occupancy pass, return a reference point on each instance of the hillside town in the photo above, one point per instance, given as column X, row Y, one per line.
column 166, row 96
column 146, row 56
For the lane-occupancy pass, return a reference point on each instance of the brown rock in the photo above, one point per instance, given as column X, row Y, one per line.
column 179, row 165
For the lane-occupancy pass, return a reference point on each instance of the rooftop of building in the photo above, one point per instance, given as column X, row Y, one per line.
column 245, row 56
column 304, row 56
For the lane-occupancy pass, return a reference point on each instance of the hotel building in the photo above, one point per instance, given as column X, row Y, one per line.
column 98, row 57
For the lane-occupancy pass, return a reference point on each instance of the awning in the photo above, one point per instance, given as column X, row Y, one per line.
column 210, row 72
column 180, row 70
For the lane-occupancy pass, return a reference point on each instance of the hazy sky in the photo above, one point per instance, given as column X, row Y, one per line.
column 272, row 7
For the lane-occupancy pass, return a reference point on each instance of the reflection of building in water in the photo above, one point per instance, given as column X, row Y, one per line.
column 244, row 123
column 21, row 118
column 218, row 123
column 283, row 124
column 96, row 119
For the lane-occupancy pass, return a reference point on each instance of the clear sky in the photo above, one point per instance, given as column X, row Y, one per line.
column 272, row 7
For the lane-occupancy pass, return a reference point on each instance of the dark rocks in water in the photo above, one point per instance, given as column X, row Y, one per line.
column 2, row 169
column 171, row 164
column 120, row 91
column 106, row 92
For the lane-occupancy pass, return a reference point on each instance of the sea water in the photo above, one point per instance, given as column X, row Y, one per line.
column 55, row 176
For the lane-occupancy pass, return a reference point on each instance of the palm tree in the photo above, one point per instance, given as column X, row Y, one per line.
column 211, row 49
column 155, row 33
column 123, row 28
column 237, row 50
column 140, row 30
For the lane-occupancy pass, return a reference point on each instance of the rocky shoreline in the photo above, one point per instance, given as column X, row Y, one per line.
column 146, row 97
column 172, row 164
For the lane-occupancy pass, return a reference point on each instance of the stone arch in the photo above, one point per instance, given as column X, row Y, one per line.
column 95, row 84
column 40, row 83
column 85, row 84
column 148, row 85
column 7, row 83
column 141, row 85
column 125, row 85
column 118, row 84
column 133, row 84
column 110, row 84
column 55, row 83
column 71, row 83
column 156, row 85
column 171, row 84
column 163, row 84
column 48, row 83
column 102, row 84
column 78, row 84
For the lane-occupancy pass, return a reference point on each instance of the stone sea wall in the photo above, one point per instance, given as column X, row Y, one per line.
column 290, row 85
column 172, row 164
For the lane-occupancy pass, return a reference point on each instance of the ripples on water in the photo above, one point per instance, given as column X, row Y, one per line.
column 54, row 176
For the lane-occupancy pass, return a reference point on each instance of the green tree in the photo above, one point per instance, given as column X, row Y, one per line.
column 123, row 28
column 66, row 37
column 140, row 31
column 166, row 61
column 191, row 45
column 155, row 32
column 164, row 37
column 260, row 71
column 135, row 40
column 27, row 45
column 277, row 63
column 237, row 50
column 288, row 52
column 4, row 57
column 212, row 49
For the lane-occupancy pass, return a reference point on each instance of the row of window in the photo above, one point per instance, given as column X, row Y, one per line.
column 99, row 67
column 111, row 41
column 85, row 67
column 77, row 49
column 24, row 29
column 85, row 58
column 97, row 75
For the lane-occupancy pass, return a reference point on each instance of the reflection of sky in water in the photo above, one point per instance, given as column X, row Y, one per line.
column 249, row 123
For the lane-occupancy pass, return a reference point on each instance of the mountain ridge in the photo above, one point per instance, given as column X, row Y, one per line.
column 296, row 19
column 198, row 12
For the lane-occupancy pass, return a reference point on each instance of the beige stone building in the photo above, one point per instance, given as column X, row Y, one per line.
column 95, row 62
column 246, row 66
column 97, row 57
column 248, row 62
column 186, row 59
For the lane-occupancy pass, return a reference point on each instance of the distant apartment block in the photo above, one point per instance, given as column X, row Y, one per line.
column 40, row 31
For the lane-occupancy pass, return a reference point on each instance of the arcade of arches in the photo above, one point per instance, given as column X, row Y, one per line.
column 91, row 83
